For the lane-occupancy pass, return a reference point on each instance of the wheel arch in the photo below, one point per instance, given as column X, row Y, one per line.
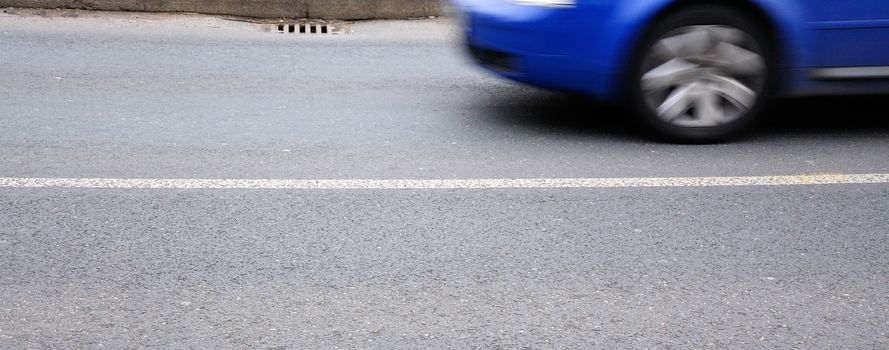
column 780, row 17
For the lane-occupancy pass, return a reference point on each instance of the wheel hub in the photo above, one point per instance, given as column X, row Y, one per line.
column 702, row 76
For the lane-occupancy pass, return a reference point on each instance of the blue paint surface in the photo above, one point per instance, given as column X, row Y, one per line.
column 586, row 48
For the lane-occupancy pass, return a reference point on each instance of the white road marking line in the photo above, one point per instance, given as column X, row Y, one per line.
column 735, row 181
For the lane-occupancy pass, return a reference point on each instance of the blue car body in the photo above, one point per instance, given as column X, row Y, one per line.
column 823, row 46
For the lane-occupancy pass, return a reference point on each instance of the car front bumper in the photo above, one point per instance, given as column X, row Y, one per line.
column 555, row 48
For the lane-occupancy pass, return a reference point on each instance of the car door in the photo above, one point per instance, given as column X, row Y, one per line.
column 849, row 33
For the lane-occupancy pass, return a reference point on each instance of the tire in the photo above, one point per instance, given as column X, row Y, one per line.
column 701, row 74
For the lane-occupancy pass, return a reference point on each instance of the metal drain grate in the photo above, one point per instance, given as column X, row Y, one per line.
column 308, row 28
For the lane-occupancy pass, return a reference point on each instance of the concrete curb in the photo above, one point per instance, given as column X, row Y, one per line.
column 327, row 9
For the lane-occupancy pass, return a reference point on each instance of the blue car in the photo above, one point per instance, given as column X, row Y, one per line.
column 691, row 70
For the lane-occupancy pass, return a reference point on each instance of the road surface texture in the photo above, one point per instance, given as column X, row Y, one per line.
column 143, row 96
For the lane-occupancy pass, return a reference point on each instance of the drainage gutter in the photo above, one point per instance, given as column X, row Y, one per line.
column 327, row 9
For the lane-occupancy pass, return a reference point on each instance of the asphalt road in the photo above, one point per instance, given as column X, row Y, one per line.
column 104, row 95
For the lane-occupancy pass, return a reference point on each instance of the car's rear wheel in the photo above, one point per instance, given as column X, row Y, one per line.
column 702, row 74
